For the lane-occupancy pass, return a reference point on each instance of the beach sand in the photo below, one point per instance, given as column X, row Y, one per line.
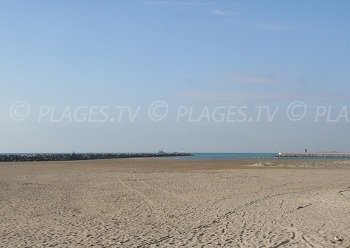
column 163, row 203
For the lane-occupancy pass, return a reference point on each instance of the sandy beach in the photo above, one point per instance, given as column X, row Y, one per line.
column 173, row 203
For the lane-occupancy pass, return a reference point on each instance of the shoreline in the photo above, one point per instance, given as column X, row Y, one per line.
column 156, row 164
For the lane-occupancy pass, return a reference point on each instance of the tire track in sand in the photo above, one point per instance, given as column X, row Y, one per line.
column 149, row 203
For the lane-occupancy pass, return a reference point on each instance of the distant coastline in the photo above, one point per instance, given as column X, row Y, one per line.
column 36, row 157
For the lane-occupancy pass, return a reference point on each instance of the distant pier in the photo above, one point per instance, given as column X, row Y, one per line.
column 314, row 155
column 17, row 157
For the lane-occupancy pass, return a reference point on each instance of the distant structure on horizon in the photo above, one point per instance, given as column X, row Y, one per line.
column 314, row 155
column 83, row 156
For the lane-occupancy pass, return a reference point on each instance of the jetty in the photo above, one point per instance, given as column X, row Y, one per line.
column 31, row 157
column 314, row 155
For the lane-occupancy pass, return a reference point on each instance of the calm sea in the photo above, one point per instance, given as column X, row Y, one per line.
column 226, row 156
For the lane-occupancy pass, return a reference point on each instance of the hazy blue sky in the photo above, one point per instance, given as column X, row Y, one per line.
column 187, row 53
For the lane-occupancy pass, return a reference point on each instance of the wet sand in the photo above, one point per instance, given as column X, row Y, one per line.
column 163, row 203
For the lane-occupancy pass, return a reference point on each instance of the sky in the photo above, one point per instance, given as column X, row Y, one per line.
column 195, row 76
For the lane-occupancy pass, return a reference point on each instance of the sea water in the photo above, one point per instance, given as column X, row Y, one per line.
column 226, row 156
